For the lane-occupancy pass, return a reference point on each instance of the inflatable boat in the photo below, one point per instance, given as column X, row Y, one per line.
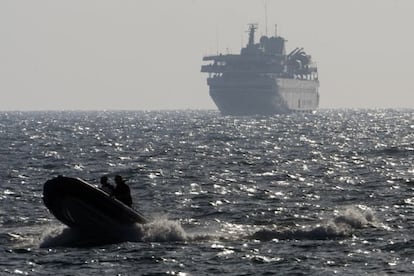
column 83, row 206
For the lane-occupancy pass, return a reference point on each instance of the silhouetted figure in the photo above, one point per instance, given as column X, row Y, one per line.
column 122, row 191
column 106, row 187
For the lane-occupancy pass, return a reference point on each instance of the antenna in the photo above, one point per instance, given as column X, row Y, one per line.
column 265, row 7
column 217, row 41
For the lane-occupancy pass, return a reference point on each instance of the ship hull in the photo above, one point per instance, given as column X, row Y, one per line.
column 263, row 96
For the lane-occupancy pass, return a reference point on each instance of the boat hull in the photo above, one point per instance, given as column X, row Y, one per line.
column 265, row 96
column 81, row 205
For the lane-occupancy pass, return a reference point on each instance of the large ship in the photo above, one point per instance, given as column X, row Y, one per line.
column 263, row 79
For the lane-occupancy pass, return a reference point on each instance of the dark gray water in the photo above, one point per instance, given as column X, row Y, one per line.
column 303, row 194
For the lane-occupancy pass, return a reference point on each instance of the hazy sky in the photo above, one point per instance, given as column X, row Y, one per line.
column 146, row 54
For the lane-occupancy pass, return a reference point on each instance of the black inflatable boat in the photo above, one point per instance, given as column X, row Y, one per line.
column 81, row 205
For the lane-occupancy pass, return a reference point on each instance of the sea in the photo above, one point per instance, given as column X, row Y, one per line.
column 329, row 193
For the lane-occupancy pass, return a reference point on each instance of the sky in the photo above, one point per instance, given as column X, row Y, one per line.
column 147, row 54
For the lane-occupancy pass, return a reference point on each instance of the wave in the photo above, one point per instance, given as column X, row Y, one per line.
column 342, row 226
column 163, row 230
column 404, row 150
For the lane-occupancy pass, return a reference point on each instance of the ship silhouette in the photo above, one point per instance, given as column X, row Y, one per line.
column 263, row 79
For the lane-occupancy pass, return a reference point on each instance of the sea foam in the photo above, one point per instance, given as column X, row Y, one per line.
column 158, row 230
column 341, row 226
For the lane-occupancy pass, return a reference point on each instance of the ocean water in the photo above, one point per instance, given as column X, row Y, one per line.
column 300, row 194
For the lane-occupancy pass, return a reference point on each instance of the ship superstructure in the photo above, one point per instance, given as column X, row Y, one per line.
column 263, row 79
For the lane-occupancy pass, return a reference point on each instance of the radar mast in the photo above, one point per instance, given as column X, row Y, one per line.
column 252, row 29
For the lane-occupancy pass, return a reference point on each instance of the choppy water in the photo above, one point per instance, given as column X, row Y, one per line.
column 302, row 194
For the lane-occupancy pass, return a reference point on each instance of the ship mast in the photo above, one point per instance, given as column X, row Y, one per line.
column 252, row 29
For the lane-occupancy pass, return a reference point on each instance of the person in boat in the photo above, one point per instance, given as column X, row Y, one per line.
column 106, row 187
column 122, row 191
